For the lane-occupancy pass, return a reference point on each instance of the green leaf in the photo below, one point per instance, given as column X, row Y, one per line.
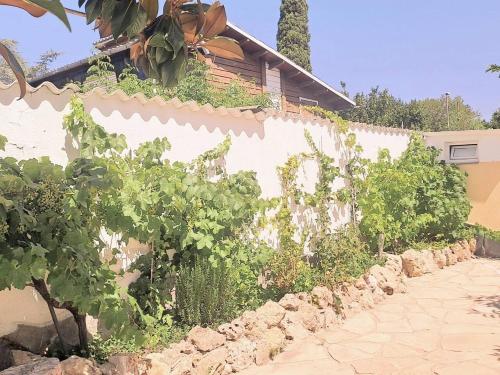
column 55, row 7
column 16, row 68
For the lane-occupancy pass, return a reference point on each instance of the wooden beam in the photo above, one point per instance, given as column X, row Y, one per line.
column 243, row 42
column 307, row 84
column 294, row 75
column 276, row 64
column 260, row 54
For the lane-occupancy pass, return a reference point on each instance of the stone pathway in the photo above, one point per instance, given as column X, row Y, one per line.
column 448, row 324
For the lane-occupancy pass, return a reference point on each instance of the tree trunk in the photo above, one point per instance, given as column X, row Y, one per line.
column 381, row 241
column 42, row 289
column 81, row 322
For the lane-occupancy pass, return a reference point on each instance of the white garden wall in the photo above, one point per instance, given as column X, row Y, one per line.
column 260, row 142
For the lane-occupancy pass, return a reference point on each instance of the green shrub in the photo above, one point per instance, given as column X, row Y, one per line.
column 342, row 256
column 414, row 198
column 194, row 86
column 205, row 292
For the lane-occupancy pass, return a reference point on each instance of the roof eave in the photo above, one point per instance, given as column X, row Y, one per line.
column 291, row 63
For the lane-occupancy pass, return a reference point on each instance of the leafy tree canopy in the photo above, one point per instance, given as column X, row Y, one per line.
column 495, row 120
column 380, row 107
column 293, row 32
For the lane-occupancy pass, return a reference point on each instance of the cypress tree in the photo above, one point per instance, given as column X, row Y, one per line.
column 293, row 32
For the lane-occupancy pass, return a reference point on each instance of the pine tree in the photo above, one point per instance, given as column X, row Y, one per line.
column 293, row 32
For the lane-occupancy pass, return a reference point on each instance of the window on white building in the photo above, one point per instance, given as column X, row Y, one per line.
column 463, row 153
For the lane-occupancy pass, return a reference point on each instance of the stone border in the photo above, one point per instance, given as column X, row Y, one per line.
column 257, row 336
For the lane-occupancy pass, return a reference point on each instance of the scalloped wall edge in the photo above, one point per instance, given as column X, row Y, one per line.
column 195, row 107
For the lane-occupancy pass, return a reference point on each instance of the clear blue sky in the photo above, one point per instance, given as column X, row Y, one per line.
column 415, row 48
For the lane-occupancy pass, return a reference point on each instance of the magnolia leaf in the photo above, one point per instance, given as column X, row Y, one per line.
column 123, row 15
column 225, row 47
column 104, row 27
column 16, row 68
column 216, row 20
column 151, row 8
column 189, row 25
column 32, row 9
column 55, row 7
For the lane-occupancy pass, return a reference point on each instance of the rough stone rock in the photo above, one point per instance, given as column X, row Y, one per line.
column 37, row 339
column 394, row 263
column 291, row 324
column 366, row 300
column 205, row 339
column 413, row 263
column 328, row 318
column 459, row 252
column 184, row 347
column 5, row 356
column 233, row 331
column 21, row 357
column 254, row 326
column 271, row 313
column 451, row 258
column 309, row 316
column 262, row 354
column 125, row 364
column 467, row 251
column 360, row 283
column 322, row 297
column 43, row 366
column 270, row 346
column 79, row 366
column 290, row 302
column 212, row 362
column 378, row 295
column 439, row 258
column 387, row 279
column 428, row 260
column 183, row 365
column 472, row 246
column 275, row 338
column 157, row 364
column 371, row 282
column 303, row 296
column 241, row 354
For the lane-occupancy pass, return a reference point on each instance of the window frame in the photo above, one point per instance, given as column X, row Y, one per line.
column 465, row 159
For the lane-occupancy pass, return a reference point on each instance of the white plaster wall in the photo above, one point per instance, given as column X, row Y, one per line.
column 33, row 127
column 488, row 142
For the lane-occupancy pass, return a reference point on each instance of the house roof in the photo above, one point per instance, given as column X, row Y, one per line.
column 276, row 59
column 257, row 49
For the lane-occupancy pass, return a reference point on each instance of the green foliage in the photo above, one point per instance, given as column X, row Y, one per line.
column 379, row 107
column 50, row 236
column 205, row 293
column 194, row 86
column 415, row 197
column 342, row 256
column 494, row 68
column 434, row 115
column 495, row 120
column 101, row 349
column 293, row 32
column 101, row 73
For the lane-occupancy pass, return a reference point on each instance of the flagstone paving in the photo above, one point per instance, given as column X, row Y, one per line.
column 447, row 324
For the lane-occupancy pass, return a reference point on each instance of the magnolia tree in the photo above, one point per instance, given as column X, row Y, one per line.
column 162, row 40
